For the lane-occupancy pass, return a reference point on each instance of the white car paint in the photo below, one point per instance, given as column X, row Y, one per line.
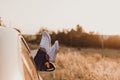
column 15, row 60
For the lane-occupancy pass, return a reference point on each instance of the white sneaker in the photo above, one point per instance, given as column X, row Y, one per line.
column 45, row 41
column 53, row 51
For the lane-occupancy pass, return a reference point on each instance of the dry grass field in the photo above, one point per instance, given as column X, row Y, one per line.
column 85, row 64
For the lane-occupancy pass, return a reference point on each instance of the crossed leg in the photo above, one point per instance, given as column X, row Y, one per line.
column 45, row 44
column 53, row 51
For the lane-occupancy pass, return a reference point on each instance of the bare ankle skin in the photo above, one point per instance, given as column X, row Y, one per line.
column 43, row 49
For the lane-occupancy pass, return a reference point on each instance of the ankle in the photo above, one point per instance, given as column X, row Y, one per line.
column 42, row 49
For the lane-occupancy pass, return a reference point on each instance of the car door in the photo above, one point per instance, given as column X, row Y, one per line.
column 29, row 69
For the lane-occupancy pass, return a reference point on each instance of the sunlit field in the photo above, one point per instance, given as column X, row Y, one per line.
column 85, row 64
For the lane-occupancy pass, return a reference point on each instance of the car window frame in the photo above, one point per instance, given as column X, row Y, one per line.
column 29, row 54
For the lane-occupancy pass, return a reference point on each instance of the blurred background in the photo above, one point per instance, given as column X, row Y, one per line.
column 82, row 55
column 87, row 30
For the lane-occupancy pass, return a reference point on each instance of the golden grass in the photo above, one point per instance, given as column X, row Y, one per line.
column 85, row 64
